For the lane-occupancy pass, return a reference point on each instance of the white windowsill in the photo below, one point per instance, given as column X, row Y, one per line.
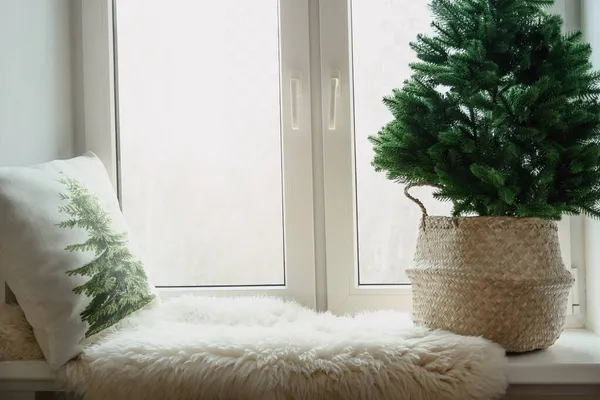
column 573, row 360
column 26, row 376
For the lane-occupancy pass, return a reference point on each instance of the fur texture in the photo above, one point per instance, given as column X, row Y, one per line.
column 266, row 349
column 16, row 336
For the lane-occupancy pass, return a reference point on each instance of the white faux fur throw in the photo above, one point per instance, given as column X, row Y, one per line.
column 16, row 336
column 266, row 349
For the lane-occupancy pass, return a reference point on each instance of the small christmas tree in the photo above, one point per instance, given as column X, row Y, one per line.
column 501, row 113
column 118, row 285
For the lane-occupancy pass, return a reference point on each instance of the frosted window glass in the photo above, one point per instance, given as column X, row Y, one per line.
column 387, row 221
column 200, row 139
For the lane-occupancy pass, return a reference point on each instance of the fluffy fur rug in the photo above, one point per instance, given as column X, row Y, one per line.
column 266, row 349
column 16, row 337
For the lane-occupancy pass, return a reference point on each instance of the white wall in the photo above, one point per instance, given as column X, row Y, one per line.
column 36, row 85
column 590, row 17
column 77, row 77
column 36, row 110
column 570, row 10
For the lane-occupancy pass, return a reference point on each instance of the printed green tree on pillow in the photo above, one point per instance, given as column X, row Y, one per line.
column 118, row 285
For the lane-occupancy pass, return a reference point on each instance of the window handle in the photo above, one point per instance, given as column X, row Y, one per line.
column 334, row 93
column 295, row 94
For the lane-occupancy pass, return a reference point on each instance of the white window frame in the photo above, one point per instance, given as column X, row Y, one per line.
column 100, row 136
column 344, row 294
column 585, row 13
column 324, row 149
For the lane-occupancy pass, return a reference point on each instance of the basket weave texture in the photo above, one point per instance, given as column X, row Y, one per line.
column 502, row 278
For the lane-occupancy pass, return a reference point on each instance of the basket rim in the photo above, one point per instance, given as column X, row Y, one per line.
column 496, row 221
column 489, row 218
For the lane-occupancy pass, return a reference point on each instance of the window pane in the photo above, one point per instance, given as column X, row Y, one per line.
column 387, row 221
column 200, row 144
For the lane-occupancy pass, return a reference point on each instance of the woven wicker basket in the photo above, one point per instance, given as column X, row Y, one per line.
column 498, row 277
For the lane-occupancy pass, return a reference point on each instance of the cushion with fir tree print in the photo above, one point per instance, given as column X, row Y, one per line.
column 65, row 252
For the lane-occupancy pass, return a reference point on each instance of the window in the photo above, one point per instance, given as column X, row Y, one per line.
column 219, row 152
column 241, row 153
column 201, row 161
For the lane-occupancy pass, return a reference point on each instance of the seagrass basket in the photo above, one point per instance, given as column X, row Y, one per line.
column 498, row 277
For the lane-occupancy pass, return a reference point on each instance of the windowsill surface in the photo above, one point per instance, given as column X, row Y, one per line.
column 27, row 376
column 573, row 359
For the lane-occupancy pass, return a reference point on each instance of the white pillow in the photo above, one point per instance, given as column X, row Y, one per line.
column 65, row 253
